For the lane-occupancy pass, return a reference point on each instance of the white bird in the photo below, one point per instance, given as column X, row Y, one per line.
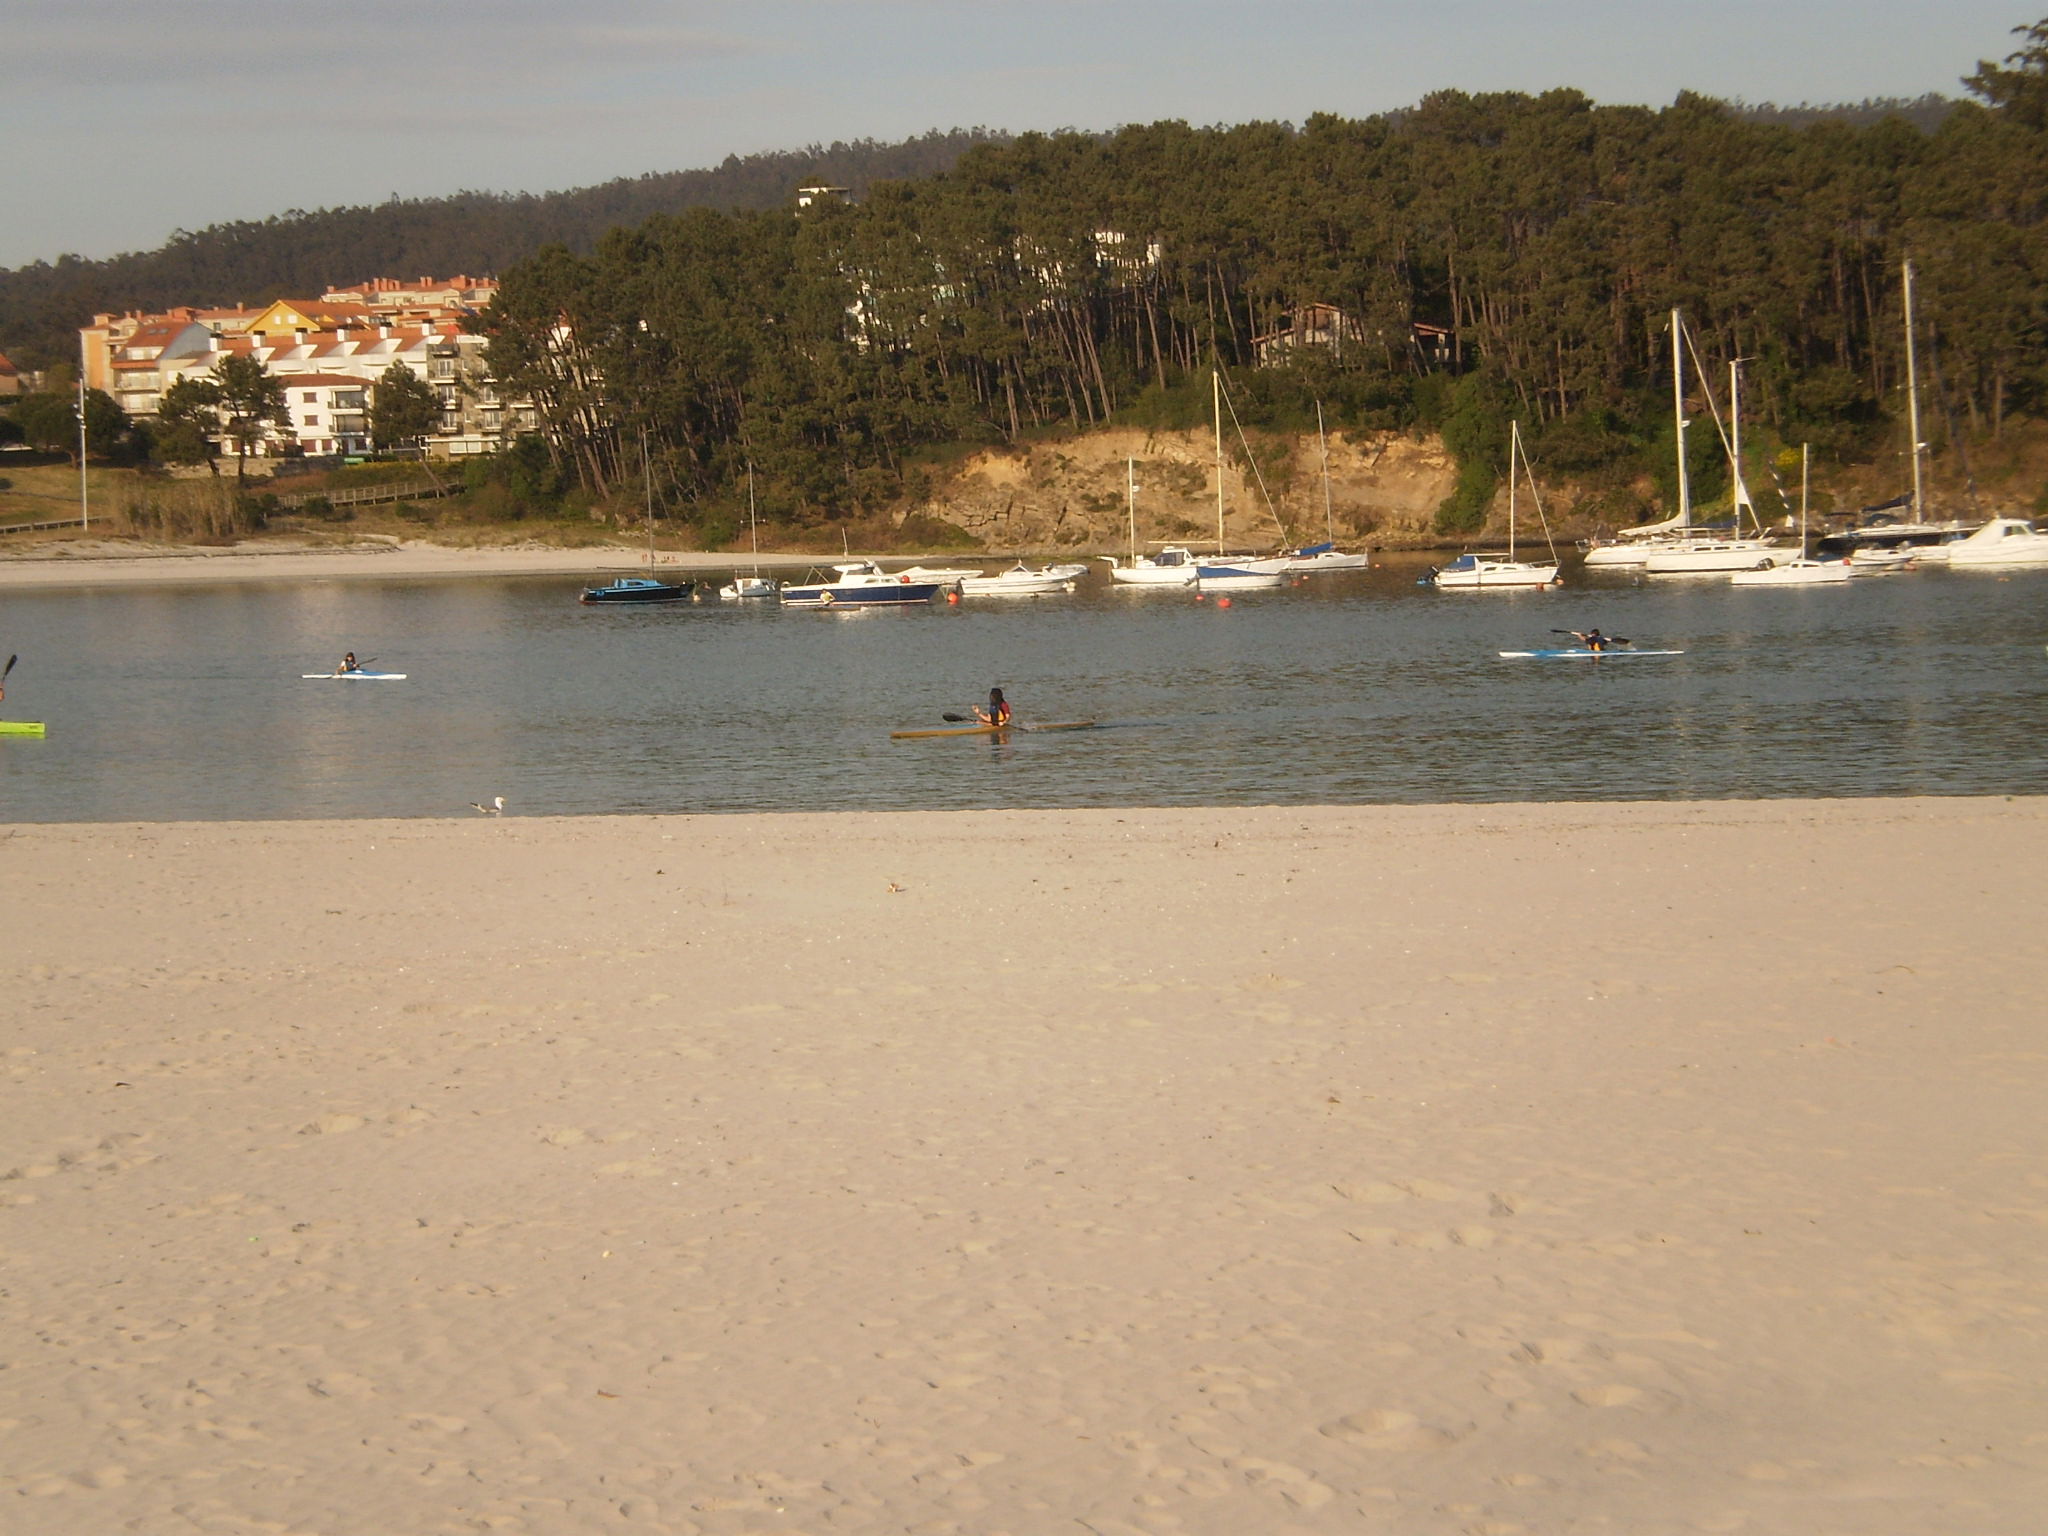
column 497, row 804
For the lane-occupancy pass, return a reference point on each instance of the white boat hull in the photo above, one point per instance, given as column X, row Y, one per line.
column 1473, row 572
column 1795, row 573
column 2002, row 542
column 1710, row 559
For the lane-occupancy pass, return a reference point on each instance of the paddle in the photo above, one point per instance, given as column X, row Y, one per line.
column 1611, row 639
column 8, row 668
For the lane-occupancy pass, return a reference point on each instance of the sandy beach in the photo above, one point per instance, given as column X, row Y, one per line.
column 1498, row 1169
column 92, row 562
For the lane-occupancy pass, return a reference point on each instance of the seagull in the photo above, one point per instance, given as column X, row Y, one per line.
column 497, row 805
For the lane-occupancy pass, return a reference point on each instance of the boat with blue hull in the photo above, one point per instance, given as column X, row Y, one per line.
column 640, row 589
column 860, row 584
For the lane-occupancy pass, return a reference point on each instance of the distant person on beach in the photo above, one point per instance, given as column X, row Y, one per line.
column 998, row 711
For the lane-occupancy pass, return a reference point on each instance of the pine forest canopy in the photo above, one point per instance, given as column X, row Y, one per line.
column 1482, row 256
column 297, row 254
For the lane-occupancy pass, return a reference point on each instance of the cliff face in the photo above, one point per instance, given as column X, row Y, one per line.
column 1384, row 491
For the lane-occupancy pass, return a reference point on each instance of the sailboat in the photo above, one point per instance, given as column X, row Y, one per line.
column 1885, row 531
column 1226, row 573
column 1171, row 567
column 648, row 588
column 1326, row 556
column 756, row 585
column 1718, row 553
column 1498, row 570
column 1799, row 571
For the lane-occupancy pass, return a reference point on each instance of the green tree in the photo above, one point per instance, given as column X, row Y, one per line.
column 252, row 400
column 2021, row 92
column 187, row 417
column 49, row 422
column 403, row 409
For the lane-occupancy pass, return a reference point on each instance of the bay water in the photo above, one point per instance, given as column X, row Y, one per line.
column 186, row 702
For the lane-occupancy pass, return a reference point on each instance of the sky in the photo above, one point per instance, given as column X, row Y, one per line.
column 122, row 121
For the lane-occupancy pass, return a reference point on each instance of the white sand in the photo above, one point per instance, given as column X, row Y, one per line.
column 105, row 563
column 1631, row 1169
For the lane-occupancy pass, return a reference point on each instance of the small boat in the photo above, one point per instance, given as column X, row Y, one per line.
column 1872, row 560
column 1498, row 570
column 21, row 727
column 2004, row 541
column 1799, row 571
column 1021, row 581
column 1239, row 577
column 1314, row 559
column 1171, row 567
column 1580, row 653
column 358, row 675
column 944, row 575
column 639, row 589
column 992, row 730
column 860, row 584
column 740, row 588
column 642, row 589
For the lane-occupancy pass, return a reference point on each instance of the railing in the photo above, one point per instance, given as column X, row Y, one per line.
column 366, row 495
column 58, row 522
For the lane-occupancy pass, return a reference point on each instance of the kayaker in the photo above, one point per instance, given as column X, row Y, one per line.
column 348, row 664
column 1592, row 640
column 998, row 711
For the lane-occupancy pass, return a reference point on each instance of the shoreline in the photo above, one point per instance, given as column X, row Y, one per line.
column 89, row 563
column 1431, row 1169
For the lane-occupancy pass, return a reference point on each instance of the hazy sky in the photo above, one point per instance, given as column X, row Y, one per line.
column 123, row 120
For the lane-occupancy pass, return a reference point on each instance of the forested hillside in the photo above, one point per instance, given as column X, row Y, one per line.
column 298, row 254
column 1055, row 283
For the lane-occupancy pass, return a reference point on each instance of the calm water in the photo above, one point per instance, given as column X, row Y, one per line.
column 176, row 703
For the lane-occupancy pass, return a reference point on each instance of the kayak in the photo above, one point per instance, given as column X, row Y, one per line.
column 992, row 730
column 1579, row 653
column 354, row 677
column 21, row 727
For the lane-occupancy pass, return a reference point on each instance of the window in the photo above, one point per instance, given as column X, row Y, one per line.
column 310, row 421
column 310, row 396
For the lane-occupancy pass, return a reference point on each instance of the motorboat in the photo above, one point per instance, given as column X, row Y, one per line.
column 944, row 575
column 860, row 584
column 2004, row 541
column 1471, row 571
column 1022, row 581
column 1170, row 567
column 640, row 589
column 1874, row 560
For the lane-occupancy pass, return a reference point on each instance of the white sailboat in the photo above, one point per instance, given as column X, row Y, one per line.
column 1496, row 570
column 1230, row 573
column 756, row 585
column 1632, row 546
column 1172, row 567
column 1710, row 555
column 1326, row 556
column 1799, row 571
column 1918, row 530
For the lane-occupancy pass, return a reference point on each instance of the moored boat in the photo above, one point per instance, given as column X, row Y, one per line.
column 639, row 589
column 1021, row 581
column 1473, row 570
column 860, row 584
column 2003, row 541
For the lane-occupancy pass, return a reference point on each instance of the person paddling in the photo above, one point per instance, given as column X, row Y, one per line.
column 998, row 711
column 1591, row 639
column 348, row 664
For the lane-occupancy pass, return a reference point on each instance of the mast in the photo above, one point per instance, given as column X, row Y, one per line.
column 1131, row 504
column 1678, row 414
column 1741, row 492
column 1514, row 452
column 1913, row 399
column 647, row 478
column 753, row 524
column 1216, row 405
column 1805, row 453
column 1323, row 445
column 84, row 495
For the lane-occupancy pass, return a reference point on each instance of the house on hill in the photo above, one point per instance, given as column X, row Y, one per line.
column 10, row 378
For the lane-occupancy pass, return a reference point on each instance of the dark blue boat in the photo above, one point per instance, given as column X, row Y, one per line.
column 640, row 589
